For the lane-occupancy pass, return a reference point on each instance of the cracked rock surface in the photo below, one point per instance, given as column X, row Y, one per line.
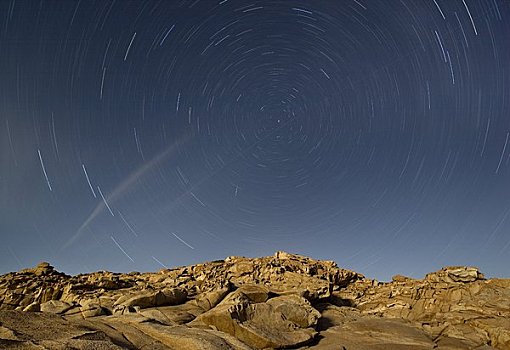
column 281, row 301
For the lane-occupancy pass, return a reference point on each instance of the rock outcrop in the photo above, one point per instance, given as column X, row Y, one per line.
column 455, row 302
column 281, row 301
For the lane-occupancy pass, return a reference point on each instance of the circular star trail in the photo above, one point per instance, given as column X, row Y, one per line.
column 141, row 134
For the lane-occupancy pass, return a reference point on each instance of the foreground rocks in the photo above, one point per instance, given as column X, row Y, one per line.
column 282, row 301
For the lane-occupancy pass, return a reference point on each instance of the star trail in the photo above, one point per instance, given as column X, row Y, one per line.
column 142, row 134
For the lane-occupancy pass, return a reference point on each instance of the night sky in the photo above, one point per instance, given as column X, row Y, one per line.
column 141, row 134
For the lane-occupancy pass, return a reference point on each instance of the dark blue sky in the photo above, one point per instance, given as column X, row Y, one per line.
column 135, row 134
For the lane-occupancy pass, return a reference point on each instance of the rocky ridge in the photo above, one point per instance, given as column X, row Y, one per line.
column 281, row 301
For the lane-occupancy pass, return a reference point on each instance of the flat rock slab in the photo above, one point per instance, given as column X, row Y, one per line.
column 29, row 330
column 374, row 334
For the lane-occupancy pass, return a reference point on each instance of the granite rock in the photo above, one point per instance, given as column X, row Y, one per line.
column 280, row 301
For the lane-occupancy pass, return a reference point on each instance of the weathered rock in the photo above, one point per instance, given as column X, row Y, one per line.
column 181, row 337
column 455, row 274
column 455, row 302
column 55, row 307
column 123, row 309
column 34, row 307
column 308, row 287
column 173, row 315
column 279, row 301
column 255, row 293
column 374, row 334
column 208, row 300
column 29, row 330
column 147, row 299
column 296, row 309
column 92, row 309
column 259, row 325
column 42, row 268
column 400, row 278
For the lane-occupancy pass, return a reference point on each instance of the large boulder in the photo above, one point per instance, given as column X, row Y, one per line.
column 452, row 274
column 208, row 300
column 259, row 325
column 255, row 293
column 295, row 309
column 91, row 308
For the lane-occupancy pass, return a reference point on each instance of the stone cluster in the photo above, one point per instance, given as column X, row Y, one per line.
column 281, row 301
column 455, row 302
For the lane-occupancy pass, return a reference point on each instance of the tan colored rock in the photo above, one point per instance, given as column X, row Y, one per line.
column 49, row 331
column 42, row 268
column 332, row 316
column 400, row 278
column 92, row 309
column 55, row 306
column 7, row 334
column 447, row 303
column 256, row 324
column 173, row 315
column 445, row 343
column 123, row 309
column 125, row 332
column 374, row 334
column 147, row 299
column 34, row 307
column 279, row 301
column 296, row 309
column 181, row 337
column 456, row 274
column 241, row 268
column 255, row 293
column 308, row 287
column 208, row 300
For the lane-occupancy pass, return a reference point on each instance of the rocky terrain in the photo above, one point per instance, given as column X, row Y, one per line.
column 282, row 301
